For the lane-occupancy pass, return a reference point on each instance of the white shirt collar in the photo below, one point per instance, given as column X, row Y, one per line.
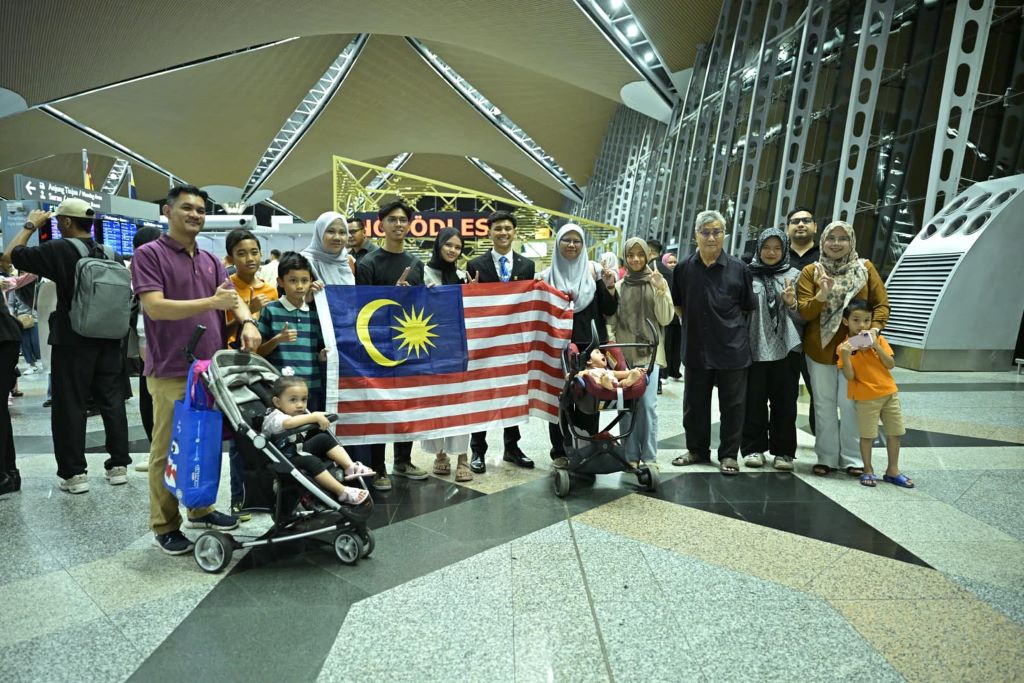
column 289, row 307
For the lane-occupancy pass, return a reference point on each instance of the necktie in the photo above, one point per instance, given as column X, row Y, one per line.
column 504, row 268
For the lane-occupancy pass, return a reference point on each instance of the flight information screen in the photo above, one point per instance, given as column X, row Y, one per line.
column 118, row 234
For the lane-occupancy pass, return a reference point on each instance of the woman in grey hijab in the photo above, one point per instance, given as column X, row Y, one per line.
column 776, row 333
column 327, row 251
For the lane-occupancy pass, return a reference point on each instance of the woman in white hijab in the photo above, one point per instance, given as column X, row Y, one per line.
column 592, row 290
column 327, row 251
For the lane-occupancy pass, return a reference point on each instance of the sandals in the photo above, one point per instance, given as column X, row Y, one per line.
column 855, row 471
column 691, row 459
column 462, row 471
column 357, row 471
column 442, row 465
column 821, row 470
column 753, row 460
column 901, row 480
column 353, row 496
column 728, row 466
column 868, row 479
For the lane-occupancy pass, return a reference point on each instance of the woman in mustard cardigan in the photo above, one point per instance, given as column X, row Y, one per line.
column 824, row 289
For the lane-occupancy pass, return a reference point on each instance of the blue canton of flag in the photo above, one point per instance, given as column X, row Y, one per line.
column 398, row 331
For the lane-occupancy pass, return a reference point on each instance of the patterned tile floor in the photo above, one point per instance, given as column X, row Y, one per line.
column 765, row 576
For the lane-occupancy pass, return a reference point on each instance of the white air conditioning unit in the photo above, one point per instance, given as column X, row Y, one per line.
column 955, row 294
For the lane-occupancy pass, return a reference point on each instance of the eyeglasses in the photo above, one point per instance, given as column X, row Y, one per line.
column 801, row 221
column 711, row 233
column 395, row 220
column 571, row 243
column 834, row 238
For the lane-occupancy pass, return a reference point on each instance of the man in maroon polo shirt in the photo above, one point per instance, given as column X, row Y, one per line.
column 181, row 286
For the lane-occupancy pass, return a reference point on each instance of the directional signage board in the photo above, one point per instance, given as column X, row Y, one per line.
column 27, row 187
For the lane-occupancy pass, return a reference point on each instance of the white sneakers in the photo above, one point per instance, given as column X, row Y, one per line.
column 76, row 484
column 117, row 476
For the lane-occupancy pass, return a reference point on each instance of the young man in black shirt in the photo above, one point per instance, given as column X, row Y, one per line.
column 390, row 265
column 713, row 294
column 801, row 228
column 500, row 264
column 81, row 366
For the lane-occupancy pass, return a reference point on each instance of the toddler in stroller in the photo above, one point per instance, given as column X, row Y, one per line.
column 290, row 395
column 599, row 379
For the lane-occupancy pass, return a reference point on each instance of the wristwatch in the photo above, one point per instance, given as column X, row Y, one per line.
column 250, row 320
column 30, row 226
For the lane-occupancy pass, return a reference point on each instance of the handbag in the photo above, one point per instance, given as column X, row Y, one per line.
column 27, row 320
column 193, row 457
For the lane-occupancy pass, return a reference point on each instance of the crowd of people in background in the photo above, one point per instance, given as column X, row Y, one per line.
column 749, row 330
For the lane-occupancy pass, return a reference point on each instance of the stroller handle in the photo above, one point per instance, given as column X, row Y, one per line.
column 190, row 348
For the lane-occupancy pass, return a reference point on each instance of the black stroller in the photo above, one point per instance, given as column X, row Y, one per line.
column 602, row 453
column 240, row 384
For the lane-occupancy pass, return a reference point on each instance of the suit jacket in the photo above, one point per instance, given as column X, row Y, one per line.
column 522, row 268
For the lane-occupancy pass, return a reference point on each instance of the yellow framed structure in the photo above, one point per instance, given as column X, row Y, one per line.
column 362, row 187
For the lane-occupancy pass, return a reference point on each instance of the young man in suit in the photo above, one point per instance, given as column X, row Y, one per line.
column 500, row 264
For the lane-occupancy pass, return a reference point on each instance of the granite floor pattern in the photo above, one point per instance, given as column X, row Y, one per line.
column 765, row 576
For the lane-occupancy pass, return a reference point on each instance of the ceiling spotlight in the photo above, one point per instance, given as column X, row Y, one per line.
column 632, row 31
column 615, row 4
column 648, row 56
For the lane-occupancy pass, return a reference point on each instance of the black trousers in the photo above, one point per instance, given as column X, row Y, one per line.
column 772, row 390
column 81, row 372
column 673, row 349
column 8, row 366
column 145, row 403
column 314, row 459
column 560, row 441
column 732, row 392
column 403, row 454
column 807, row 383
column 478, row 441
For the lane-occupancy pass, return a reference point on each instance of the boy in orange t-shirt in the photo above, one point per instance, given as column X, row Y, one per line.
column 245, row 255
column 873, row 391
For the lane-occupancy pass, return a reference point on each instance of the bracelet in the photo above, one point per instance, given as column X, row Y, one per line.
column 250, row 320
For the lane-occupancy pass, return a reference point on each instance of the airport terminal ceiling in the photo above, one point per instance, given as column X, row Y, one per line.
column 545, row 65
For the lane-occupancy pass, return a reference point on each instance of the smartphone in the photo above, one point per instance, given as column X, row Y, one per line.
column 862, row 340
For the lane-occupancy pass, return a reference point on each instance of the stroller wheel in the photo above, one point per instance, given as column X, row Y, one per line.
column 348, row 547
column 562, row 483
column 213, row 552
column 648, row 478
column 368, row 544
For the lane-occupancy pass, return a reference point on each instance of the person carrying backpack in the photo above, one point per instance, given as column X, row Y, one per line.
column 93, row 305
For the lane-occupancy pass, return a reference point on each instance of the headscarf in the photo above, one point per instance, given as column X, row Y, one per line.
column 449, row 271
column 849, row 275
column 611, row 262
column 665, row 258
column 636, row 296
column 332, row 269
column 575, row 278
column 766, row 274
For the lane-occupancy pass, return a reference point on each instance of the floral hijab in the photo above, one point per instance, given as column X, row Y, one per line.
column 849, row 276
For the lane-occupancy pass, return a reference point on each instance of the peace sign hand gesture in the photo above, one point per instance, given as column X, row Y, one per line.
column 658, row 280
column 405, row 273
column 825, row 282
column 788, row 295
column 474, row 279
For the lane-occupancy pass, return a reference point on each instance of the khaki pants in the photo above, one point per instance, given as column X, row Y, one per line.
column 163, row 506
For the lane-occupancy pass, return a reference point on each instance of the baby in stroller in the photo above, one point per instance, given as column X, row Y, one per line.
column 609, row 378
column 290, row 395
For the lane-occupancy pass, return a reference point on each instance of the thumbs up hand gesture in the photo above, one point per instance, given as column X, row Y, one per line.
column 287, row 335
column 225, row 298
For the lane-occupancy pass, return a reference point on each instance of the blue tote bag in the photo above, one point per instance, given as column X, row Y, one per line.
column 193, row 458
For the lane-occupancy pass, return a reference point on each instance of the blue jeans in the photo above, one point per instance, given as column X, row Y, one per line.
column 642, row 444
column 30, row 345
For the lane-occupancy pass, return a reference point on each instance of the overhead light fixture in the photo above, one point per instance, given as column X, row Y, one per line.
column 632, row 31
column 615, row 4
column 648, row 56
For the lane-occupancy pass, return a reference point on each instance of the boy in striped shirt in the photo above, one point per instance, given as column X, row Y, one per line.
column 291, row 328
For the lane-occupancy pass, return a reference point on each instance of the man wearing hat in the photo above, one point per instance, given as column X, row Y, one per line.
column 80, row 366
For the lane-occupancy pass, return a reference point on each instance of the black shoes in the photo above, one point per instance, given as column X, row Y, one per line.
column 516, row 456
column 477, row 464
column 10, row 482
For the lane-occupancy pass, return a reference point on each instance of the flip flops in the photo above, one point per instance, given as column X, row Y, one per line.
column 901, row 480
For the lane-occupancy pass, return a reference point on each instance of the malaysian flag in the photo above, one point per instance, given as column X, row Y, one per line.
column 410, row 363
